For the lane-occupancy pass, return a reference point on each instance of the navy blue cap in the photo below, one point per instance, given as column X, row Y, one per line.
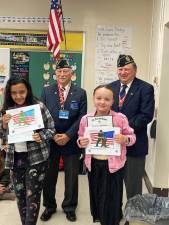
column 124, row 60
column 63, row 63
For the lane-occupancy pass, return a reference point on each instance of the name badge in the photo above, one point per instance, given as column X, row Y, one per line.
column 63, row 114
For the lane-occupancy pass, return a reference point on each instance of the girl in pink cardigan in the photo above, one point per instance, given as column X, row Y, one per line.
column 105, row 173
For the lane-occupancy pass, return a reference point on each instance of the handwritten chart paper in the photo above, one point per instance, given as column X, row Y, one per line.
column 110, row 43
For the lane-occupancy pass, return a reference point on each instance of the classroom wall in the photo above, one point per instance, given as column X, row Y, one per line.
column 85, row 16
column 89, row 14
column 157, row 165
column 166, row 12
column 147, row 18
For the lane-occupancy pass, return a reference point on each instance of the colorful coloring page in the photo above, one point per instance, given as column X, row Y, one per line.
column 102, row 141
column 25, row 119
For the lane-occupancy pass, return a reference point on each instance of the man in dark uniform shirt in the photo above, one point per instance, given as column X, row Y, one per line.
column 67, row 104
column 134, row 98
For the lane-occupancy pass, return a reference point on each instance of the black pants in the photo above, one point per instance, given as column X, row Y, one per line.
column 28, row 183
column 71, row 169
column 133, row 175
column 106, row 191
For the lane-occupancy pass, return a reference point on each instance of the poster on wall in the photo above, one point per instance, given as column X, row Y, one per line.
column 110, row 43
column 4, row 70
column 20, row 64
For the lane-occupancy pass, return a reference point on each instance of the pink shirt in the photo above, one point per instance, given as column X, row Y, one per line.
column 119, row 120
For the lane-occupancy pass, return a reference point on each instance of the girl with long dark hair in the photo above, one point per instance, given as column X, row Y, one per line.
column 27, row 160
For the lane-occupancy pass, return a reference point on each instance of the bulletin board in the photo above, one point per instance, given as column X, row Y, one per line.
column 42, row 69
column 32, row 60
column 39, row 67
column 36, row 40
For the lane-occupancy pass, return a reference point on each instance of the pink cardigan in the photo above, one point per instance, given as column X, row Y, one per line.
column 119, row 120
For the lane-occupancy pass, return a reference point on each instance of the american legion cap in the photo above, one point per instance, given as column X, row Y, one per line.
column 62, row 63
column 124, row 60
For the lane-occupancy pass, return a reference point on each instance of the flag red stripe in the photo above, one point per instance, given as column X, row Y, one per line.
column 58, row 18
column 54, row 26
column 54, row 36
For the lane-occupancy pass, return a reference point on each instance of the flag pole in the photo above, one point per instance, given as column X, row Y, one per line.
column 63, row 24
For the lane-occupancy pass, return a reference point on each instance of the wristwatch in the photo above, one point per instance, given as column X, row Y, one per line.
column 127, row 140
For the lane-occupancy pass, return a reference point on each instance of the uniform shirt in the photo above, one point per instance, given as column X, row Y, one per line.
column 66, row 91
column 127, row 88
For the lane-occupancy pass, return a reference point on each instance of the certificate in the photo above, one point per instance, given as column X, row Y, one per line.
column 99, row 121
column 25, row 119
column 102, row 141
column 15, row 138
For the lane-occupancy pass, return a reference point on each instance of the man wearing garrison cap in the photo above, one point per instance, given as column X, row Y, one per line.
column 62, row 64
column 67, row 104
column 134, row 98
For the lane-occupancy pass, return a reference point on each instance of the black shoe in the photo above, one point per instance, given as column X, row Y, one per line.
column 96, row 220
column 71, row 216
column 46, row 215
column 126, row 223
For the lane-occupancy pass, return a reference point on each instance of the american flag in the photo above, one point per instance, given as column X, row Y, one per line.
column 108, row 135
column 54, row 36
column 26, row 117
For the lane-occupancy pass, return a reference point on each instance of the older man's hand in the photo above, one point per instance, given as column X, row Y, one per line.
column 61, row 139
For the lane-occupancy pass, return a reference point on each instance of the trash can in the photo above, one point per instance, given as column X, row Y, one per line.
column 148, row 208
